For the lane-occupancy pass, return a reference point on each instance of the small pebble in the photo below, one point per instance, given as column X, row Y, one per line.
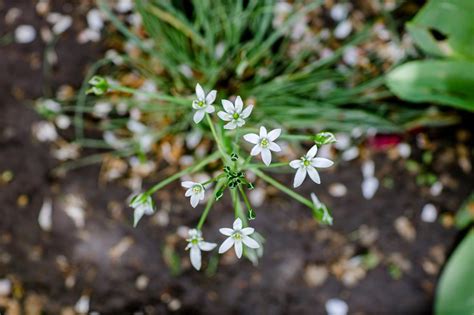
column 44, row 131
column 368, row 168
column 336, row 307
column 339, row 12
column 343, row 29
column 405, row 228
column 5, row 287
column 436, row 189
column 25, row 34
column 337, row 190
column 124, row 6
column 351, row 56
column 315, row 275
column 82, row 305
column 404, row 150
column 429, row 213
column 369, row 187
column 142, row 282
column 350, row 154
column 45, row 215
column 94, row 20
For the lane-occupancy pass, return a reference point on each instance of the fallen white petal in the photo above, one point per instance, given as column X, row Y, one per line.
column 45, row 215
column 369, row 187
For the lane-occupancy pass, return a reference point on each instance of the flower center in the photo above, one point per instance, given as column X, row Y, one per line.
column 194, row 241
column 235, row 116
column 200, row 103
column 197, row 189
column 264, row 143
column 237, row 236
column 306, row 162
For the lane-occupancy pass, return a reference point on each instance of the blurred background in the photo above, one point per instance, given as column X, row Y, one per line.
column 392, row 79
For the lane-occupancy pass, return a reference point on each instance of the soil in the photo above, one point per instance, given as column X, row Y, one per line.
column 41, row 264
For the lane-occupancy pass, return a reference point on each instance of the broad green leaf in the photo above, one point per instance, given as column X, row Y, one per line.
column 455, row 293
column 465, row 214
column 445, row 82
column 450, row 18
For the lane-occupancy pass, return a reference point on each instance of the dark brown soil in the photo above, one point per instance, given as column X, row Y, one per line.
column 35, row 260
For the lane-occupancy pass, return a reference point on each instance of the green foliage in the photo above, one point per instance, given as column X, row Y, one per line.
column 444, row 82
column 455, row 293
column 448, row 81
column 465, row 214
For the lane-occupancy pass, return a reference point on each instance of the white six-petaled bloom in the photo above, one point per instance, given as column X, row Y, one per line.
column 195, row 190
column 203, row 104
column 264, row 143
column 308, row 164
column 236, row 236
column 196, row 244
column 142, row 204
column 235, row 113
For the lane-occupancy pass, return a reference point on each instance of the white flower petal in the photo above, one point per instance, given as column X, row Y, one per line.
column 200, row 92
column 313, row 173
column 228, row 243
column 250, row 242
column 206, row 246
column 224, row 116
column 275, row 133
column 138, row 214
column 321, row 162
column 312, row 152
column 299, row 177
column 239, row 105
column 194, row 200
column 263, row 132
column 238, row 248
column 240, row 122
column 189, row 192
column 295, row 164
column 237, row 225
column 195, row 256
column 274, row 147
column 252, row 138
column 256, row 150
column 211, row 97
column 187, row 184
column 198, row 116
column 228, row 106
column 202, row 194
column 210, row 109
column 230, row 125
column 266, row 156
column 226, row 231
column 247, row 231
column 246, row 112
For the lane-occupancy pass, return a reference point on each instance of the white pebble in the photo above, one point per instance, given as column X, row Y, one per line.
column 94, row 20
column 60, row 22
column 368, row 168
column 343, row 141
column 436, row 189
column 124, row 6
column 343, row 29
column 429, row 213
column 257, row 196
column 63, row 121
column 5, row 287
column 339, row 12
column 336, row 307
column 82, row 305
column 337, row 190
column 404, row 150
column 44, row 131
column 351, row 56
column 45, row 215
column 25, row 34
column 350, row 154
column 369, row 187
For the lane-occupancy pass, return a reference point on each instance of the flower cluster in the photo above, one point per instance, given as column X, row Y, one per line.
column 233, row 116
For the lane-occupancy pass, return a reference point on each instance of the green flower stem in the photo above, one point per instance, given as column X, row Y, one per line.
column 246, row 200
column 188, row 170
column 283, row 188
column 218, row 140
column 209, row 204
column 215, row 179
column 238, row 213
column 157, row 96
column 273, row 165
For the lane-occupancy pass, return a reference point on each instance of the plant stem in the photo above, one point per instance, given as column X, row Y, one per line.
column 161, row 97
column 283, row 188
column 188, row 170
column 209, row 204
column 217, row 139
column 256, row 166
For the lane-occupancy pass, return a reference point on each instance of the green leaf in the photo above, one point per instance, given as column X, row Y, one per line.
column 465, row 214
column 455, row 290
column 324, row 137
column 451, row 18
column 445, row 82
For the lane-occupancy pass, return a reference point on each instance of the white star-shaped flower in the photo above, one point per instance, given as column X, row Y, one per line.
column 264, row 143
column 308, row 164
column 196, row 244
column 234, row 113
column 142, row 204
column 195, row 191
column 236, row 237
column 203, row 104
